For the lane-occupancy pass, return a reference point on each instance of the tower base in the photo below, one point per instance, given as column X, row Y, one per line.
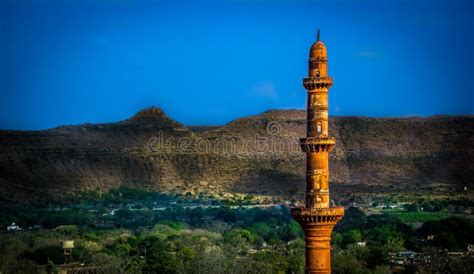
column 317, row 224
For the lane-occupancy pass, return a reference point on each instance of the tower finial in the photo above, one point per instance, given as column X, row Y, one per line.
column 317, row 35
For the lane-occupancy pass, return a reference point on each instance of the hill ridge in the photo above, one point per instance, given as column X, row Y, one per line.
column 245, row 155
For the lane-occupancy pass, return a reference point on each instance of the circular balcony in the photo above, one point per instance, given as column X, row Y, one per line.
column 311, row 83
column 315, row 144
column 314, row 216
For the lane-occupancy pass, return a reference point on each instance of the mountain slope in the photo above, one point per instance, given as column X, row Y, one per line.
column 255, row 154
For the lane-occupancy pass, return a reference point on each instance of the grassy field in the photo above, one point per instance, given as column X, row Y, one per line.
column 421, row 216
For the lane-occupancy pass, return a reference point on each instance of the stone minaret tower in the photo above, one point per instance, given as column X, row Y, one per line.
column 318, row 217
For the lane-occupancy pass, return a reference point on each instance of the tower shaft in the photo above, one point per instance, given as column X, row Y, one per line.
column 317, row 218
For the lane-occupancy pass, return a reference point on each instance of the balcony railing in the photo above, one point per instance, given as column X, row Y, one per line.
column 308, row 216
column 316, row 82
column 315, row 144
column 318, row 140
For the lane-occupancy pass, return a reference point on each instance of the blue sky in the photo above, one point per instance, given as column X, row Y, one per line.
column 71, row 62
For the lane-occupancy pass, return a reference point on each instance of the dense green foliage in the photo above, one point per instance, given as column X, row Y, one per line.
column 134, row 231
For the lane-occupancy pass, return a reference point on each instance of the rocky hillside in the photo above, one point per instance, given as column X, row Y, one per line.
column 256, row 154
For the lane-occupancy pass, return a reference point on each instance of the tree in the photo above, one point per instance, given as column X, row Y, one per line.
column 351, row 237
column 337, row 239
column 135, row 265
column 412, row 208
column 345, row 263
column 394, row 243
column 451, row 233
column 239, row 236
column 291, row 231
column 354, row 218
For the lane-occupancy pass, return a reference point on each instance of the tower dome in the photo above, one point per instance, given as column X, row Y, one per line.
column 318, row 51
column 318, row 59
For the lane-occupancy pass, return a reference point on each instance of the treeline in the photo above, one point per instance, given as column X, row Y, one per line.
column 452, row 233
column 454, row 206
column 162, row 249
column 134, row 238
column 272, row 224
column 384, row 234
column 233, row 241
